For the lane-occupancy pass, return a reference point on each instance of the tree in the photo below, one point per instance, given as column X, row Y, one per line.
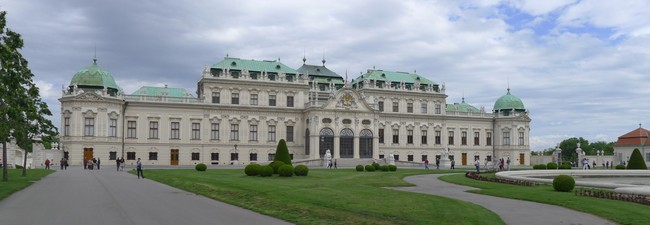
column 607, row 147
column 22, row 112
column 570, row 145
column 282, row 153
column 636, row 161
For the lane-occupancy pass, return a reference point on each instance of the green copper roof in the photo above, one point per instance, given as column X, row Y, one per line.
column 94, row 76
column 462, row 107
column 393, row 77
column 158, row 91
column 320, row 71
column 253, row 65
column 509, row 101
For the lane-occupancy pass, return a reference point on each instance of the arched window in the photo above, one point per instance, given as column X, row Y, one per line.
column 365, row 143
column 326, row 142
column 347, row 143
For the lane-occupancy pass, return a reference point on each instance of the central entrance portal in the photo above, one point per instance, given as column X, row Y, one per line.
column 88, row 155
column 174, row 157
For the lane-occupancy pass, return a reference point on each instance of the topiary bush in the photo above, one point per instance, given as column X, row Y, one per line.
column 376, row 165
column 620, row 167
column 282, row 153
column 266, row 171
column 384, row 168
column 636, row 161
column 551, row 166
column 539, row 167
column 253, row 169
column 370, row 168
column 392, row 167
column 360, row 168
column 200, row 167
column 564, row 183
column 285, row 170
column 565, row 167
column 301, row 170
column 276, row 165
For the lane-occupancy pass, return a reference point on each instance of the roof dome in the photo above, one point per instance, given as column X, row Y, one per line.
column 94, row 77
column 508, row 102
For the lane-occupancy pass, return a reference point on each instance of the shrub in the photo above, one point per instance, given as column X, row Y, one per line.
column 282, row 153
column 360, row 168
column 376, row 165
column 301, row 170
column 564, row 183
column 636, row 161
column 370, row 168
column 565, row 167
column 384, row 168
column 539, row 167
column 276, row 165
column 285, row 171
column 551, row 166
column 18, row 166
column 252, row 169
column 392, row 167
column 620, row 167
column 266, row 171
column 200, row 167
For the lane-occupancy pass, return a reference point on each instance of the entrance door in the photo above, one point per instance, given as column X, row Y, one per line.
column 174, row 157
column 464, row 159
column 521, row 159
column 88, row 154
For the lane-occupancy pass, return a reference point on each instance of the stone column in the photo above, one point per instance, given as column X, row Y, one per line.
column 314, row 146
column 336, row 148
column 355, row 153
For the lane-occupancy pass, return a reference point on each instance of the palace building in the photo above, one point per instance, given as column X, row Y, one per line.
column 242, row 108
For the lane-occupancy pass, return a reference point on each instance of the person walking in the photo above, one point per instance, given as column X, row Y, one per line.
column 47, row 164
column 139, row 169
column 122, row 164
column 437, row 163
column 65, row 162
column 335, row 164
column 61, row 163
column 98, row 162
column 508, row 164
column 117, row 163
column 426, row 164
column 477, row 163
column 453, row 164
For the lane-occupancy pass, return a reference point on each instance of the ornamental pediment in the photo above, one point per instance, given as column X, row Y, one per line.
column 348, row 100
column 89, row 96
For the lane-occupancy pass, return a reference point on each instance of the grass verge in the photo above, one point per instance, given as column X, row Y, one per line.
column 341, row 196
column 17, row 182
column 617, row 211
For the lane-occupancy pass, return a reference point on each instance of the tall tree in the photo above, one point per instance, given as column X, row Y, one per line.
column 22, row 112
column 570, row 145
column 607, row 147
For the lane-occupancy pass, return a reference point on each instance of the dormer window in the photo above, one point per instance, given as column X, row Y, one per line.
column 233, row 64
column 277, row 67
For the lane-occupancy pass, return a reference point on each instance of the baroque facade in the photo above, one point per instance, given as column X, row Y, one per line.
column 242, row 108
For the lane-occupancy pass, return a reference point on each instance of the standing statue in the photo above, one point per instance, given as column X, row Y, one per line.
column 391, row 159
column 328, row 159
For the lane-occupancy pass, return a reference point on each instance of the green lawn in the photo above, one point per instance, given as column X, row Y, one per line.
column 341, row 196
column 618, row 211
column 17, row 182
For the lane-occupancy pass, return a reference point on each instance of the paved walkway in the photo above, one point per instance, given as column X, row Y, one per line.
column 510, row 210
column 98, row 197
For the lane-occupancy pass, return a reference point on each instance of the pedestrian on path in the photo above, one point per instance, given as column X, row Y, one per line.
column 139, row 168
column 508, row 164
column 65, row 163
column 61, row 163
column 426, row 164
column 477, row 163
column 47, row 164
column 437, row 163
column 98, row 162
column 335, row 164
column 117, row 163
column 453, row 163
column 122, row 164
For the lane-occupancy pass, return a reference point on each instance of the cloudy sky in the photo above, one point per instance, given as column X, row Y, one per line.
column 581, row 67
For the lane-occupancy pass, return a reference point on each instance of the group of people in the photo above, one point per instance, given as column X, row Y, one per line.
column 329, row 164
column 504, row 164
column 426, row 163
column 63, row 163
column 92, row 163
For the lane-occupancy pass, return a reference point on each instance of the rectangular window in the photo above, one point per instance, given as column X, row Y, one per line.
column 289, row 133
column 381, row 136
column 153, row 129
column 423, row 107
column 409, row 136
column 451, row 138
column 395, row 106
column 214, row 132
column 409, row 158
column 381, row 106
column 234, row 156
column 395, row 136
column 112, row 128
column 438, row 109
column 647, row 157
column 396, row 157
column 521, row 138
column 488, row 138
column 196, row 131
column 381, row 156
column 216, row 97
column 463, row 138
column 409, row 107
column 271, row 156
column 112, row 155
column 89, row 127
column 234, row 132
column 476, row 138
column 272, row 100
column 130, row 156
column 253, row 99
column 424, row 157
column 196, row 156
column 424, row 137
column 214, row 156
column 130, row 129
column 253, row 157
column 66, row 124
column 506, row 138
column 234, row 98
column 252, row 134
column 438, row 137
column 271, row 133
column 153, row 155
column 289, row 101
column 175, row 130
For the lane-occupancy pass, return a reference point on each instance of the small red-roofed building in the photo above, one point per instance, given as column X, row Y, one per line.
column 637, row 138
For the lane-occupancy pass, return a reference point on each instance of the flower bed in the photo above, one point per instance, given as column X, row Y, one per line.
column 476, row 176
column 597, row 193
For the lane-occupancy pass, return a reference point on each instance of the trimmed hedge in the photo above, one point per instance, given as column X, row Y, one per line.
column 301, row 170
column 253, row 169
column 565, row 167
column 266, row 171
column 285, row 171
column 200, row 167
column 276, row 165
column 620, row 167
column 384, row 168
column 539, row 167
column 376, row 165
column 551, row 166
column 392, row 167
column 360, row 168
column 636, row 161
column 282, row 153
column 564, row 183
column 370, row 168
